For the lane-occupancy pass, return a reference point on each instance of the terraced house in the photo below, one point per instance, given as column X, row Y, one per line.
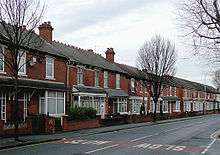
column 59, row 76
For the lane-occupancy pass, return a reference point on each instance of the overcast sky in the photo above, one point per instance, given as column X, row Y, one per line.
column 124, row 25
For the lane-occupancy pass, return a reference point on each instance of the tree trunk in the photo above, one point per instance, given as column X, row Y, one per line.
column 155, row 110
column 161, row 108
column 16, row 109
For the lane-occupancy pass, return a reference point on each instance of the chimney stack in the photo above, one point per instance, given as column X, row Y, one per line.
column 46, row 31
column 110, row 55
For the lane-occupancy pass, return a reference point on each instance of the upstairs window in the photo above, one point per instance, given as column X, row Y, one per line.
column 1, row 59
column 49, row 68
column 132, row 85
column 96, row 78
column 79, row 75
column 105, row 79
column 141, row 86
column 117, row 81
column 21, row 60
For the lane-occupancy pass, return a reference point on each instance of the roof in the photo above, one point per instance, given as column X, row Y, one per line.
column 31, row 41
column 132, row 71
column 170, row 98
column 113, row 93
column 85, row 89
column 33, row 84
column 86, row 57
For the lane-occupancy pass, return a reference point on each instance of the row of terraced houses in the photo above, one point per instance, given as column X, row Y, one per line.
column 62, row 76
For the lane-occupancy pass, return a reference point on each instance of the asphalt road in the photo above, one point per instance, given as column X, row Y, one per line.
column 189, row 137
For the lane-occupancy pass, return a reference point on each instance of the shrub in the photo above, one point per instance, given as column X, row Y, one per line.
column 81, row 113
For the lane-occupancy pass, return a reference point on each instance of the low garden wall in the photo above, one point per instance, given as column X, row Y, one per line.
column 137, row 119
column 71, row 125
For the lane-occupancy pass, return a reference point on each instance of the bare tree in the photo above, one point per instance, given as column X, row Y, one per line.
column 200, row 20
column 18, row 20
column 216, row 78
column 157, row 58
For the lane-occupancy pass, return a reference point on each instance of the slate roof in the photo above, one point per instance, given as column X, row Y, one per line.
column 33, row 84
column 33, row 41
column 85, row 89
column 112, row 93
column 132, row 71
column 86, row 57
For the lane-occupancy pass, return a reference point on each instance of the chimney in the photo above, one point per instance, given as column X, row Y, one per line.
column 46, row 31
column 110, row 55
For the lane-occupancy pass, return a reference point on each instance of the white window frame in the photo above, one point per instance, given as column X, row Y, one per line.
column 96, row 78
column 52, row 67
column 26, row 99
column 177, row 106
column 106, row 80
column 175, row 91
column 3, row 59
column 132, row 85
column 118, row 81
column 80, row 71
column 170, row 90
column 123, row 103
column 165, row 104
column 22, row 62
column 3, row 106
column 46, row 104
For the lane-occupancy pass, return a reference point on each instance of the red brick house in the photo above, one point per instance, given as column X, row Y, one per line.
column 42, row 84
column 59, row 76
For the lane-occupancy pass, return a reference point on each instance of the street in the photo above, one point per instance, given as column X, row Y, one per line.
column 188, row 137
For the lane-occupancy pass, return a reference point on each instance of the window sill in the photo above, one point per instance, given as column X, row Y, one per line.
column 2, row 72
column 50, row 78
column 22, row 75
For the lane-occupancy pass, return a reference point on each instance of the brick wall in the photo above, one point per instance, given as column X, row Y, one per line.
column 88, row 77
column 77, row 125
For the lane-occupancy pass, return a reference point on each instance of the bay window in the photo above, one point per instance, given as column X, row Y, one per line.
column 90, row 101
column 3, row 106
column 177, row 106
column 122, row 104
column 53, row 103
column 49, row 68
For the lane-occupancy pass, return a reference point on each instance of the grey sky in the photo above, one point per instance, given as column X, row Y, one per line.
column 124, row 25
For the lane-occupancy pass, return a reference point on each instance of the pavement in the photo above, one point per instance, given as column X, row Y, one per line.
column 194, row 135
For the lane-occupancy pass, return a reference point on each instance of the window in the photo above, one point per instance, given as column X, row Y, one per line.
column 96, row 78
column 21, row 63
column 79, row 75
column 165, row 106
column 132, row 85
column 187, row 106
column 117, row 81
column 1, row 59
column 90, row 101
column 122, row 105
column 55, row 103
column 26, row 99
column 177, row 106
column 136, row 105
column 105, row 79
column 49, row 68
column 3, row 106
